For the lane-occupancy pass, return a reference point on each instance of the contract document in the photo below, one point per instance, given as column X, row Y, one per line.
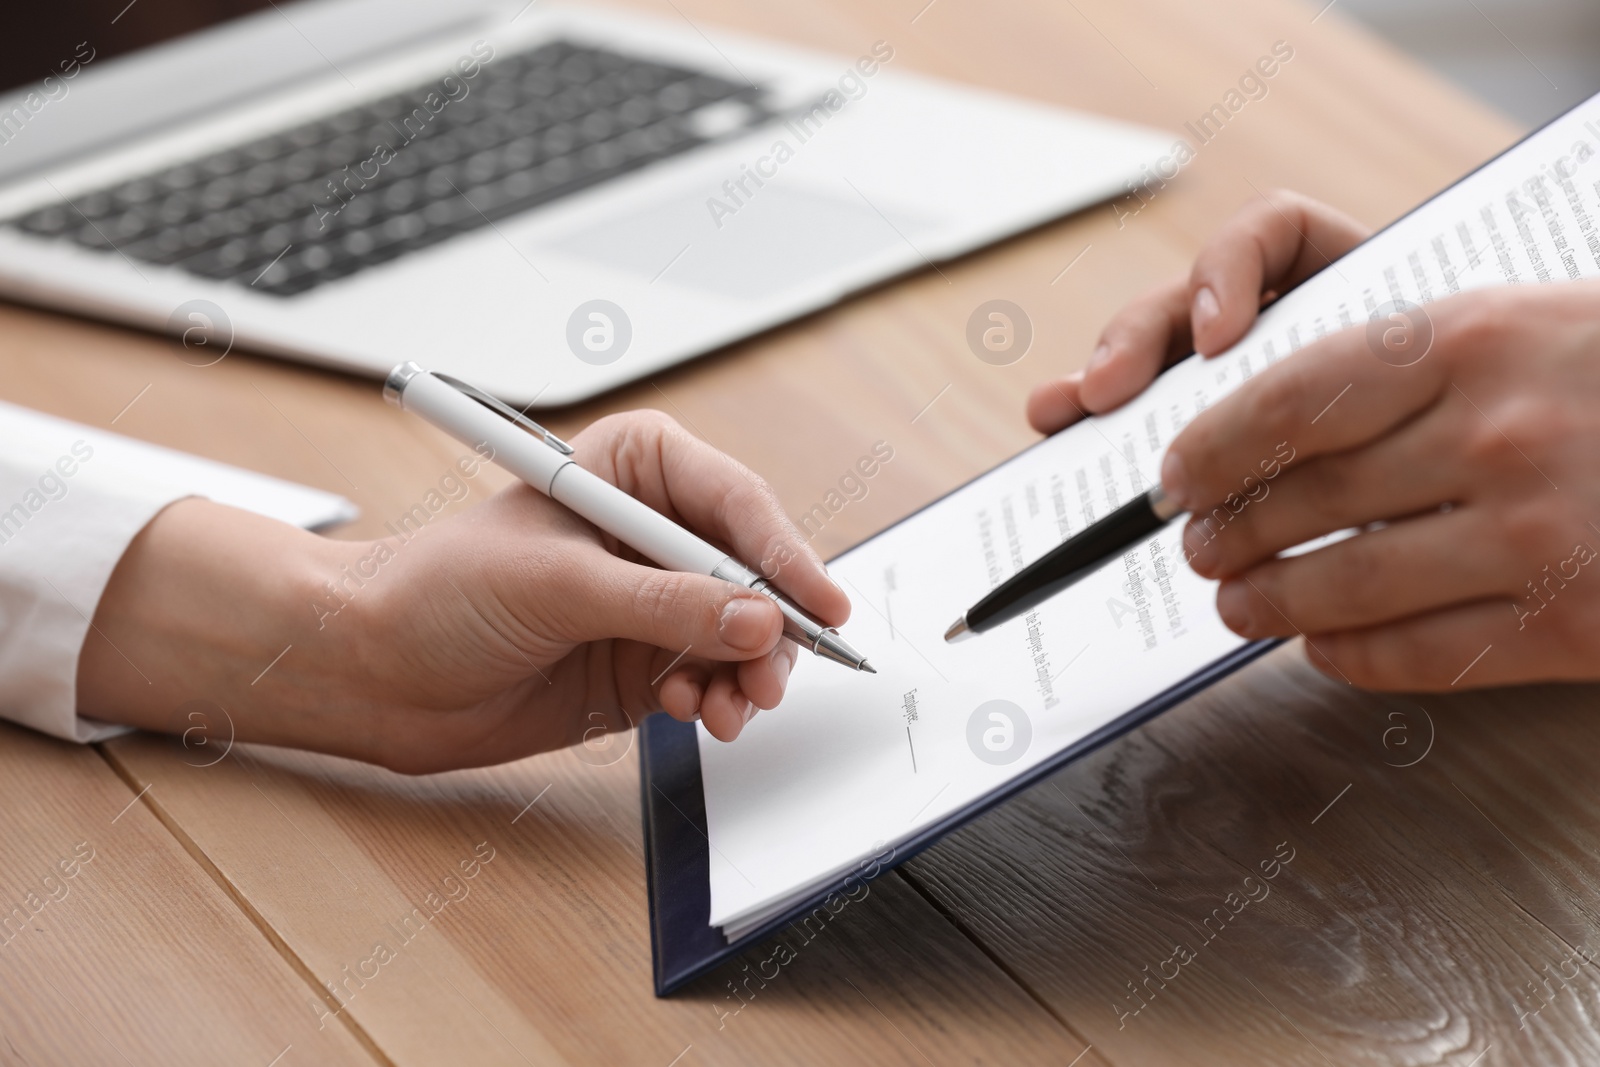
column 850, row 765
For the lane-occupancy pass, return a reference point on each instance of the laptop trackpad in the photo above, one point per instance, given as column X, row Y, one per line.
column 776, row 239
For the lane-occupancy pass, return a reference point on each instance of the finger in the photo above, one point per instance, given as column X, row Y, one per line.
column 764, row 680
column 651, row 457
column 606, row 597
column 1329, row 397
column 1415, row 469
column 1274, row 242
column 1136, row 344
column 1458, row 648
column 1057, row 404
column 683, row 688
column 1373, row 578
column 725, row 709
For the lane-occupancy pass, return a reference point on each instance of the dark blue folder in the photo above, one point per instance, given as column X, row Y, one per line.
column 677, row 852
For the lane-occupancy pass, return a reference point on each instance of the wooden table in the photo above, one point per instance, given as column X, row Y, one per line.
column 1436, row 912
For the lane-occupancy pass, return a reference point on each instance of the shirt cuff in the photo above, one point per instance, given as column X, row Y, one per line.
column 60, row 539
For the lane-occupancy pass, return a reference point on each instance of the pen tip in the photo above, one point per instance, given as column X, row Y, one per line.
column 869, row 668
column 957, row 630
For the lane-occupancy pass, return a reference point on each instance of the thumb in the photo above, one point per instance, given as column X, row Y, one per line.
column 674, row 611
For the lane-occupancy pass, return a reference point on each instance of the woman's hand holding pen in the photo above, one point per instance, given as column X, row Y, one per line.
column 1471, row 470
column 512, row 628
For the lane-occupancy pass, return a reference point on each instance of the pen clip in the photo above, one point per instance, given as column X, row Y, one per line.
column 505, row 411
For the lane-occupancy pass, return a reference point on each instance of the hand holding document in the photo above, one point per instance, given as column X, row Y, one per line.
column 849, row 766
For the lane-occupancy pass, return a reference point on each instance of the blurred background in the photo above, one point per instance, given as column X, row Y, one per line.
column 1531, row 59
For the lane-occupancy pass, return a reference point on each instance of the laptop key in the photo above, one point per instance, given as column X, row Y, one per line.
column 51, row 221
column 293, row 210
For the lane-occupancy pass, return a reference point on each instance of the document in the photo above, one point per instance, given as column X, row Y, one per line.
column 851, row 765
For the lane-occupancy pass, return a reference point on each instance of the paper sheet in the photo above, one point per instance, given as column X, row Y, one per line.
column 851, row 764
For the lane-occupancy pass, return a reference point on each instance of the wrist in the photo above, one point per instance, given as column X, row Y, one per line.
column 215, row 604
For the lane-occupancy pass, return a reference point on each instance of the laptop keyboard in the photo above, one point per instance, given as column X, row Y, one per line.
column 288, row 212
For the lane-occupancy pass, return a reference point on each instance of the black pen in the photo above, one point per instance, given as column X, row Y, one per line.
column 1072, row 560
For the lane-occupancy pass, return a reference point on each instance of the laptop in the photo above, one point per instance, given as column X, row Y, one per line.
column 546, row 201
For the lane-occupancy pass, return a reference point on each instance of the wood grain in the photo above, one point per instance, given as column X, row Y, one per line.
column 116, row 946
column 1417, row 909
column 545, row 956
column 1439, row 887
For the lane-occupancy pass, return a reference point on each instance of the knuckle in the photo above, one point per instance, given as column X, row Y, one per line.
column 1281, row 207
column 749, row 504
column 1134, row 324
column 1277, row 402
column 1355, row 659
column 666, row 599
column 1260, row 212
column 1537, row 425
column 1521, row 435
column 1482, row 324
column 638, row 432
column 1194, row 445
column 1529, row 531
column 1281, row 198
column 1210, row 532
column 1243, row 532
column 778, row 549
column 1484, row 447
column 1328, row 484
column 1213, row 524
column 651, row 419
column 1290, row 603
column 1277, row 210
column 623, row 424
column 1364, row 580
column 756, row 489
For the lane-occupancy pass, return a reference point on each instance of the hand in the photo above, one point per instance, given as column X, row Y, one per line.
column 512, row 628
column 1268, row 247
column 1479, row 461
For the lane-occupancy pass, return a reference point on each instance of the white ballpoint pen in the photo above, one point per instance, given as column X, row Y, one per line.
column 545, row 462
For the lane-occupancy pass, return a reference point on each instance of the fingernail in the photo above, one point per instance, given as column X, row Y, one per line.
column 1099, row 358
column 696, row 715
column 748, row 713
column 1199, row 549
column 1234, row 605
column 1075, row 378
column 1175, row 480
column 1206, row 307
column 741, row 626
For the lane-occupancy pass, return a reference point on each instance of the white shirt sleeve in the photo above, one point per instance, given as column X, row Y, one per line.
column 60, row 539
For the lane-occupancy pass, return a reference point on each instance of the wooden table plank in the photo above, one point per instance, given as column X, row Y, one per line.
column 543, row 955
column 117, row 947
column 1413, row 925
